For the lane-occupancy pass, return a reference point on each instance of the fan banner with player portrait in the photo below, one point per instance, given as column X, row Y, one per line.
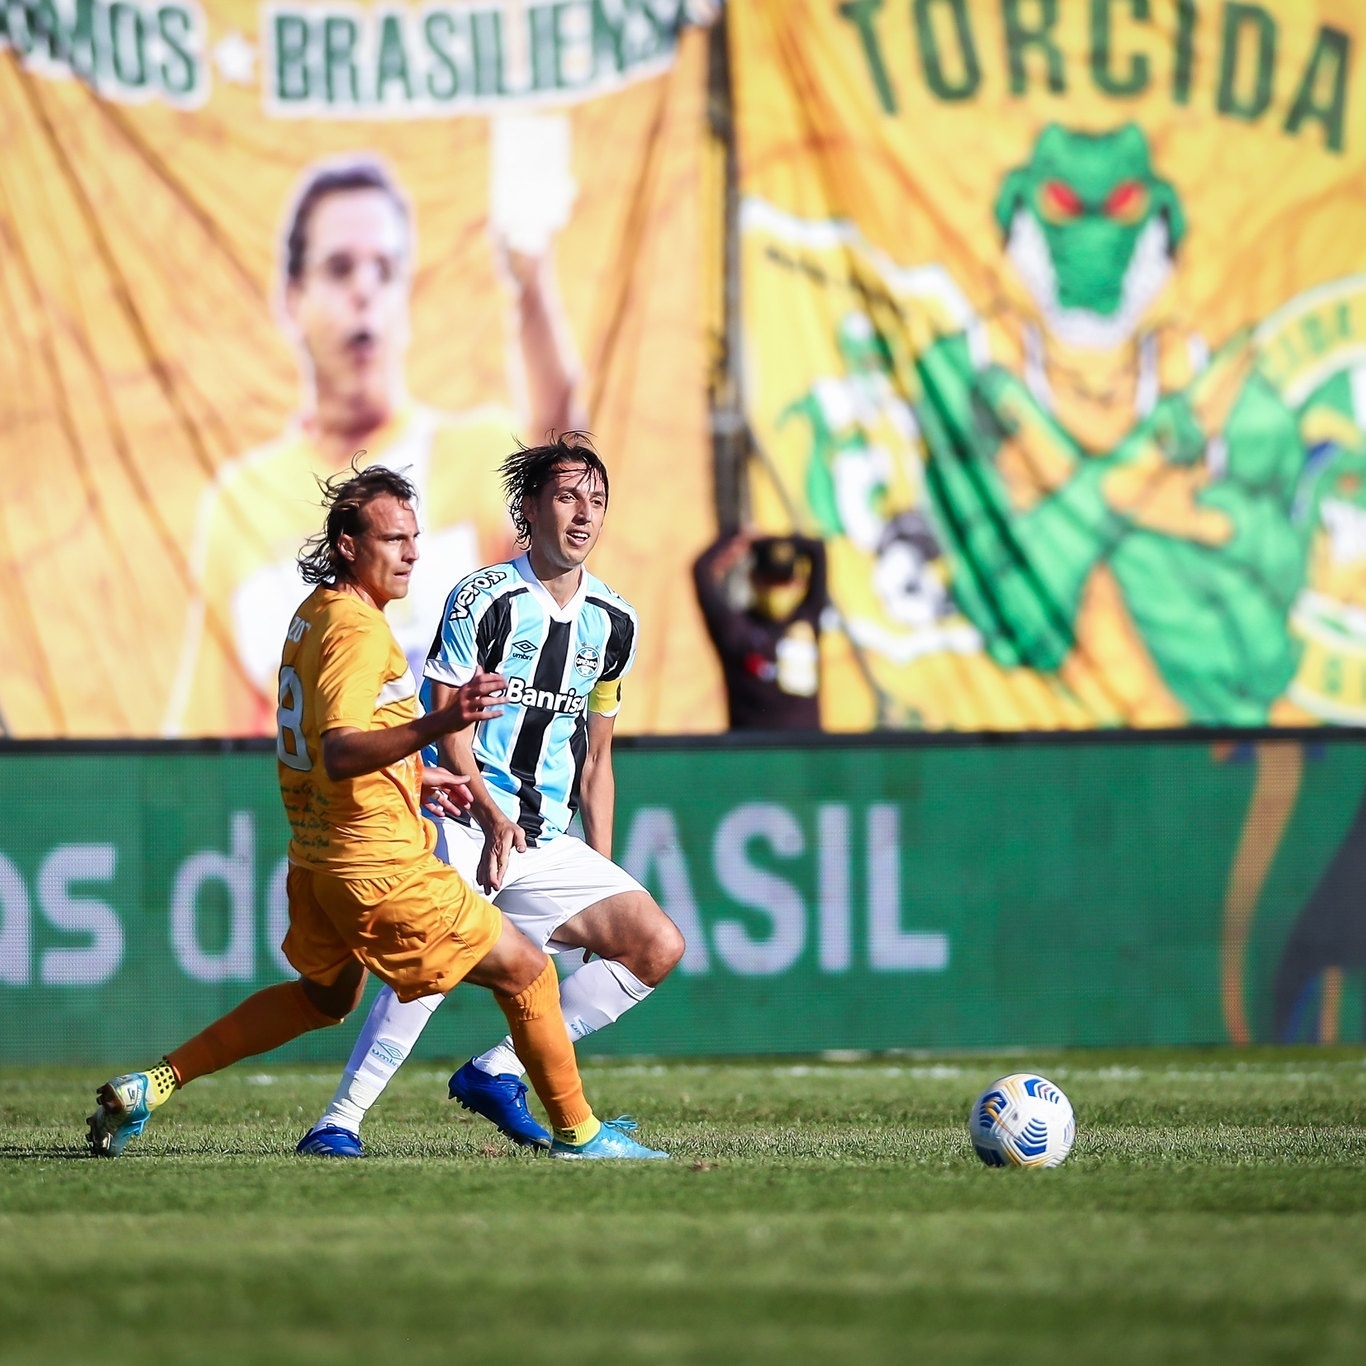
column 1054, row 329
column 504, row 238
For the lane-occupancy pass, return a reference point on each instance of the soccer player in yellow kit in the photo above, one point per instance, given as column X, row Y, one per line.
column 366, row 893
column 346, row 280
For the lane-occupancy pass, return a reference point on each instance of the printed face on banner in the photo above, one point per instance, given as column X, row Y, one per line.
column 1080, row 415
column 349, row 302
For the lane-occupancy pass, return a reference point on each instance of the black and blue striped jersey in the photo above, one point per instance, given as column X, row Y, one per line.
column 560, row 663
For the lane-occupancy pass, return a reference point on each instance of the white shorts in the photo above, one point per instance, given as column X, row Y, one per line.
column 542, row 887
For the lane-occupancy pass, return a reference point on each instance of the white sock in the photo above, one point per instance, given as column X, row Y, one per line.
column 386, row 1038
column 591, row 998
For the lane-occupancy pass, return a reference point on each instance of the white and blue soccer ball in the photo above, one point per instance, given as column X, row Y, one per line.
column 1022, row 1120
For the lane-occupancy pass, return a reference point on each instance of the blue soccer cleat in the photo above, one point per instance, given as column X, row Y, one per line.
column 613, row 1140
column 501, row 1099
column 125, row 1106
column 328, row 1140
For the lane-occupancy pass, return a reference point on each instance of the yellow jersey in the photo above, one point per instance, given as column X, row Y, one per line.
column 342, row 667
column 264, row 505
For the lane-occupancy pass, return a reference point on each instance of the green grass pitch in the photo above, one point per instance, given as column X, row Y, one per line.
column 818, row 1210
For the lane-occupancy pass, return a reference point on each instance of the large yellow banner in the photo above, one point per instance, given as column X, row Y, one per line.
column 1054, row 325
column 243, row 242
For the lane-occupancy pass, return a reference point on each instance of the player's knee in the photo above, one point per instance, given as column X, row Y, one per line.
column 670, row 946
column 511, row 966
column 660, row 948
column 331, row 1004
column 526, row 971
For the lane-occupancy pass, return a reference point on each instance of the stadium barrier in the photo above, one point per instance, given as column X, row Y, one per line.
column 860, row 893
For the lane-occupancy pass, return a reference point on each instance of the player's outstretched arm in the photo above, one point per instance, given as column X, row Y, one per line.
column 349, row 752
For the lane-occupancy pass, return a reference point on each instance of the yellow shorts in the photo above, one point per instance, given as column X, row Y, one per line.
column 420, row 929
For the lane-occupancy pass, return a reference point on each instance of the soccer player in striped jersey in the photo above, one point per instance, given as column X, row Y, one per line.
column 365, row 890
column 563, row 640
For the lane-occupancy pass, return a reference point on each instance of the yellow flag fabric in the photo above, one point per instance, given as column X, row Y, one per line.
column 173, row 381
column 1054, row 325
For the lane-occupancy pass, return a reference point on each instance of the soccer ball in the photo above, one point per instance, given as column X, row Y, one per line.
column 1022, row 1121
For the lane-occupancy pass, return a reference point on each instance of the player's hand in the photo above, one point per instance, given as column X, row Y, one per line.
column 444, row 793
column 499, row 844
column 476, row 700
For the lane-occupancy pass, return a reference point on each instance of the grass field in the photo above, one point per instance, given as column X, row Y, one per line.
column 1214, row 1207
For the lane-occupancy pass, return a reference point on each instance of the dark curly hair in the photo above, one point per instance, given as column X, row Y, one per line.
column 529, row 469
column 346, row 495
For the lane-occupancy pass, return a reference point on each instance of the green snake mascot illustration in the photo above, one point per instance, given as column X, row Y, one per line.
column 1154, row 565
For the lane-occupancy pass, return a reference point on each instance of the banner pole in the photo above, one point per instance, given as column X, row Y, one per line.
column 729, row 431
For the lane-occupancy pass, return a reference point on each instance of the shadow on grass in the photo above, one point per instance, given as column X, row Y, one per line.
column 46, row 1151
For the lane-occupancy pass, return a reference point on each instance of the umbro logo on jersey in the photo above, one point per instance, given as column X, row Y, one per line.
column 524, row 649
column 586, row 661
column 520, row 694
column 464, row 599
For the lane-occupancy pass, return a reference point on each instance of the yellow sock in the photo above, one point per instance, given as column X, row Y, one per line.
column 579, row 1134
column 161, row 1084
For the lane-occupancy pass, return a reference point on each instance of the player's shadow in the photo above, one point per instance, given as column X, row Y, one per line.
column 46, row 1151
column 49, row 1152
